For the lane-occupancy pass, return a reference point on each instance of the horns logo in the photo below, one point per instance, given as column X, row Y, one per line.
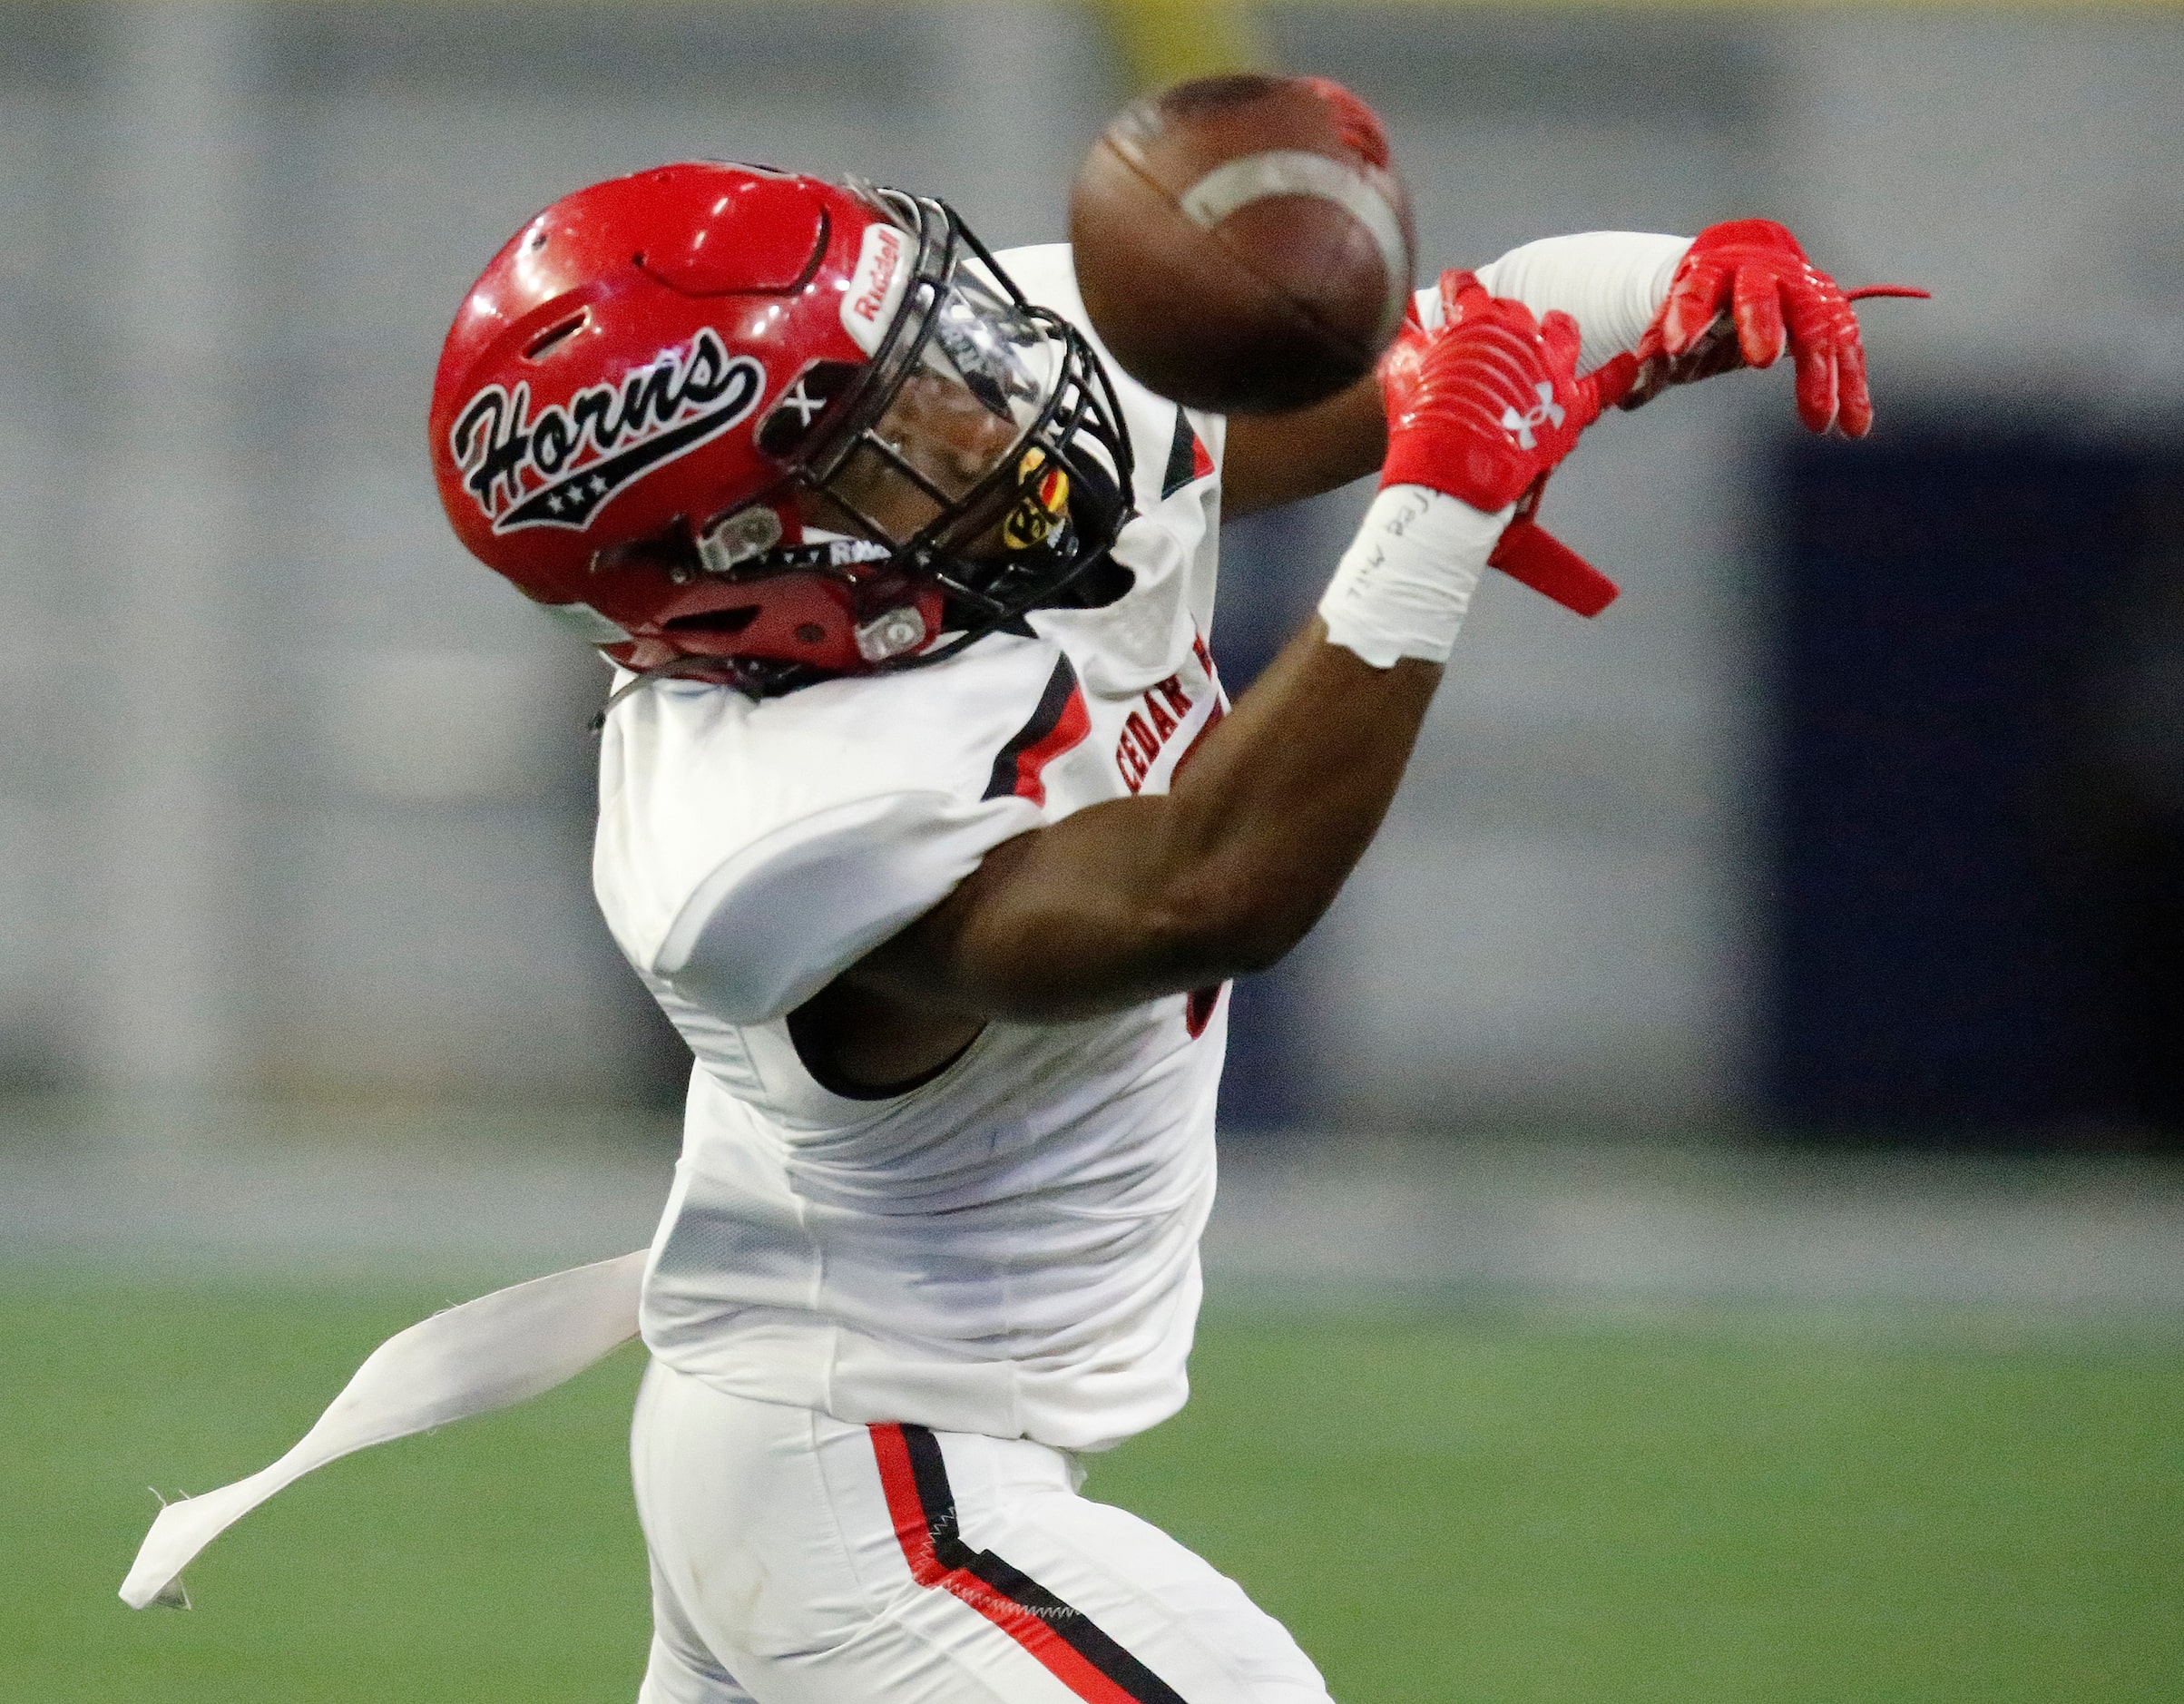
column 557, row 469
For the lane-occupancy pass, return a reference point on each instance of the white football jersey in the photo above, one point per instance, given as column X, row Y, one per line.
column 1011, row 1247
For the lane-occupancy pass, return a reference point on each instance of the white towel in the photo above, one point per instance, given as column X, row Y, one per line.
column 492, row 1353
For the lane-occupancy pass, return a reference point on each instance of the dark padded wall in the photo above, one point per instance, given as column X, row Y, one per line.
column 1977, row 837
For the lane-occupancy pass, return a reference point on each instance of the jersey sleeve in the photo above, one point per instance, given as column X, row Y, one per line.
column 784, row 916
column 749, row 853
column 1611, row 282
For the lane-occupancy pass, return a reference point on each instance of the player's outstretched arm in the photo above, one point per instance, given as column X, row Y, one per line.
column 1611, row 282
column 1656, row 311
column 1140, row 898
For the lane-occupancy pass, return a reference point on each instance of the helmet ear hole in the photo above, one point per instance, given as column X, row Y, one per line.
column 554, row 336
column 806, row 407
column 714, row 623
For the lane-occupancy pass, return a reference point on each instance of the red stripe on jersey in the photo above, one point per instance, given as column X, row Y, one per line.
column 1071, row 730
column 1202, row 460
column 1058, row 721
column 1198, row 1008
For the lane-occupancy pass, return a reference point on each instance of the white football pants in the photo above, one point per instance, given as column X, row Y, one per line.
column 797, row 1559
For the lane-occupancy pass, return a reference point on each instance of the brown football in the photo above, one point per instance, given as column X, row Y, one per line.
column 1243, row 242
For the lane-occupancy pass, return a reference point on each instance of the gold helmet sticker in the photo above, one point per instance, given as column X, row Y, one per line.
column 1042, row 502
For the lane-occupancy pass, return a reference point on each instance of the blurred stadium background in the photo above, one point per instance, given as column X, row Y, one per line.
column 1703, row 1217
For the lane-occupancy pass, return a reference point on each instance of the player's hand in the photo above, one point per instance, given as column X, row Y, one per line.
column 1484, row 405
column 1744, row 293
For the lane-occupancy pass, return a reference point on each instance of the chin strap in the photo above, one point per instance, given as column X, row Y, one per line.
column 717, row 670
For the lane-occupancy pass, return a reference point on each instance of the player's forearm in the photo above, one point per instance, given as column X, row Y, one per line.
column 1131, row 900
column 1274, row 810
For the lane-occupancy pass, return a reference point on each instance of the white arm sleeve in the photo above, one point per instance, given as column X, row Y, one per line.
column 786, row 915
column 1611, row 282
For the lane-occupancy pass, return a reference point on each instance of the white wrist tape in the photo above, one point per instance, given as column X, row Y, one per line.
column 1402, row 588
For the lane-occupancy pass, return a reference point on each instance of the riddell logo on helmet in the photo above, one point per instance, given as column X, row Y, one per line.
column 876, row 287
column 557, row 469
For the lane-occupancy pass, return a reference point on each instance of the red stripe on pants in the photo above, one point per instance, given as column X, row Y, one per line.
column 915, row 1532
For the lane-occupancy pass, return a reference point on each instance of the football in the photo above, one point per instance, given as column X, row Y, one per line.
column 1243, row 242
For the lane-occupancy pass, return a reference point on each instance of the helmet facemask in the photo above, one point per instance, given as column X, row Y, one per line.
column 981, row 449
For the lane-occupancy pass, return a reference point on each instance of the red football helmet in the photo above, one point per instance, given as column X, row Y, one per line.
column 762, row 429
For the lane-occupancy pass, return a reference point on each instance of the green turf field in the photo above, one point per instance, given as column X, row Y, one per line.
column 1467, row 1505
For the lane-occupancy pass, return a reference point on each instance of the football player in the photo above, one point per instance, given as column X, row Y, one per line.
column 926, row 818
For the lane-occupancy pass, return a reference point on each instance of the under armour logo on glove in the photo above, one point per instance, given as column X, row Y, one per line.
column 1483, row 404
column 1549, row 412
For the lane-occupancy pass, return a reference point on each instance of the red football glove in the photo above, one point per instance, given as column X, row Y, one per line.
column 1482, row 407
column 1484, row 402
column 1743, row 293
